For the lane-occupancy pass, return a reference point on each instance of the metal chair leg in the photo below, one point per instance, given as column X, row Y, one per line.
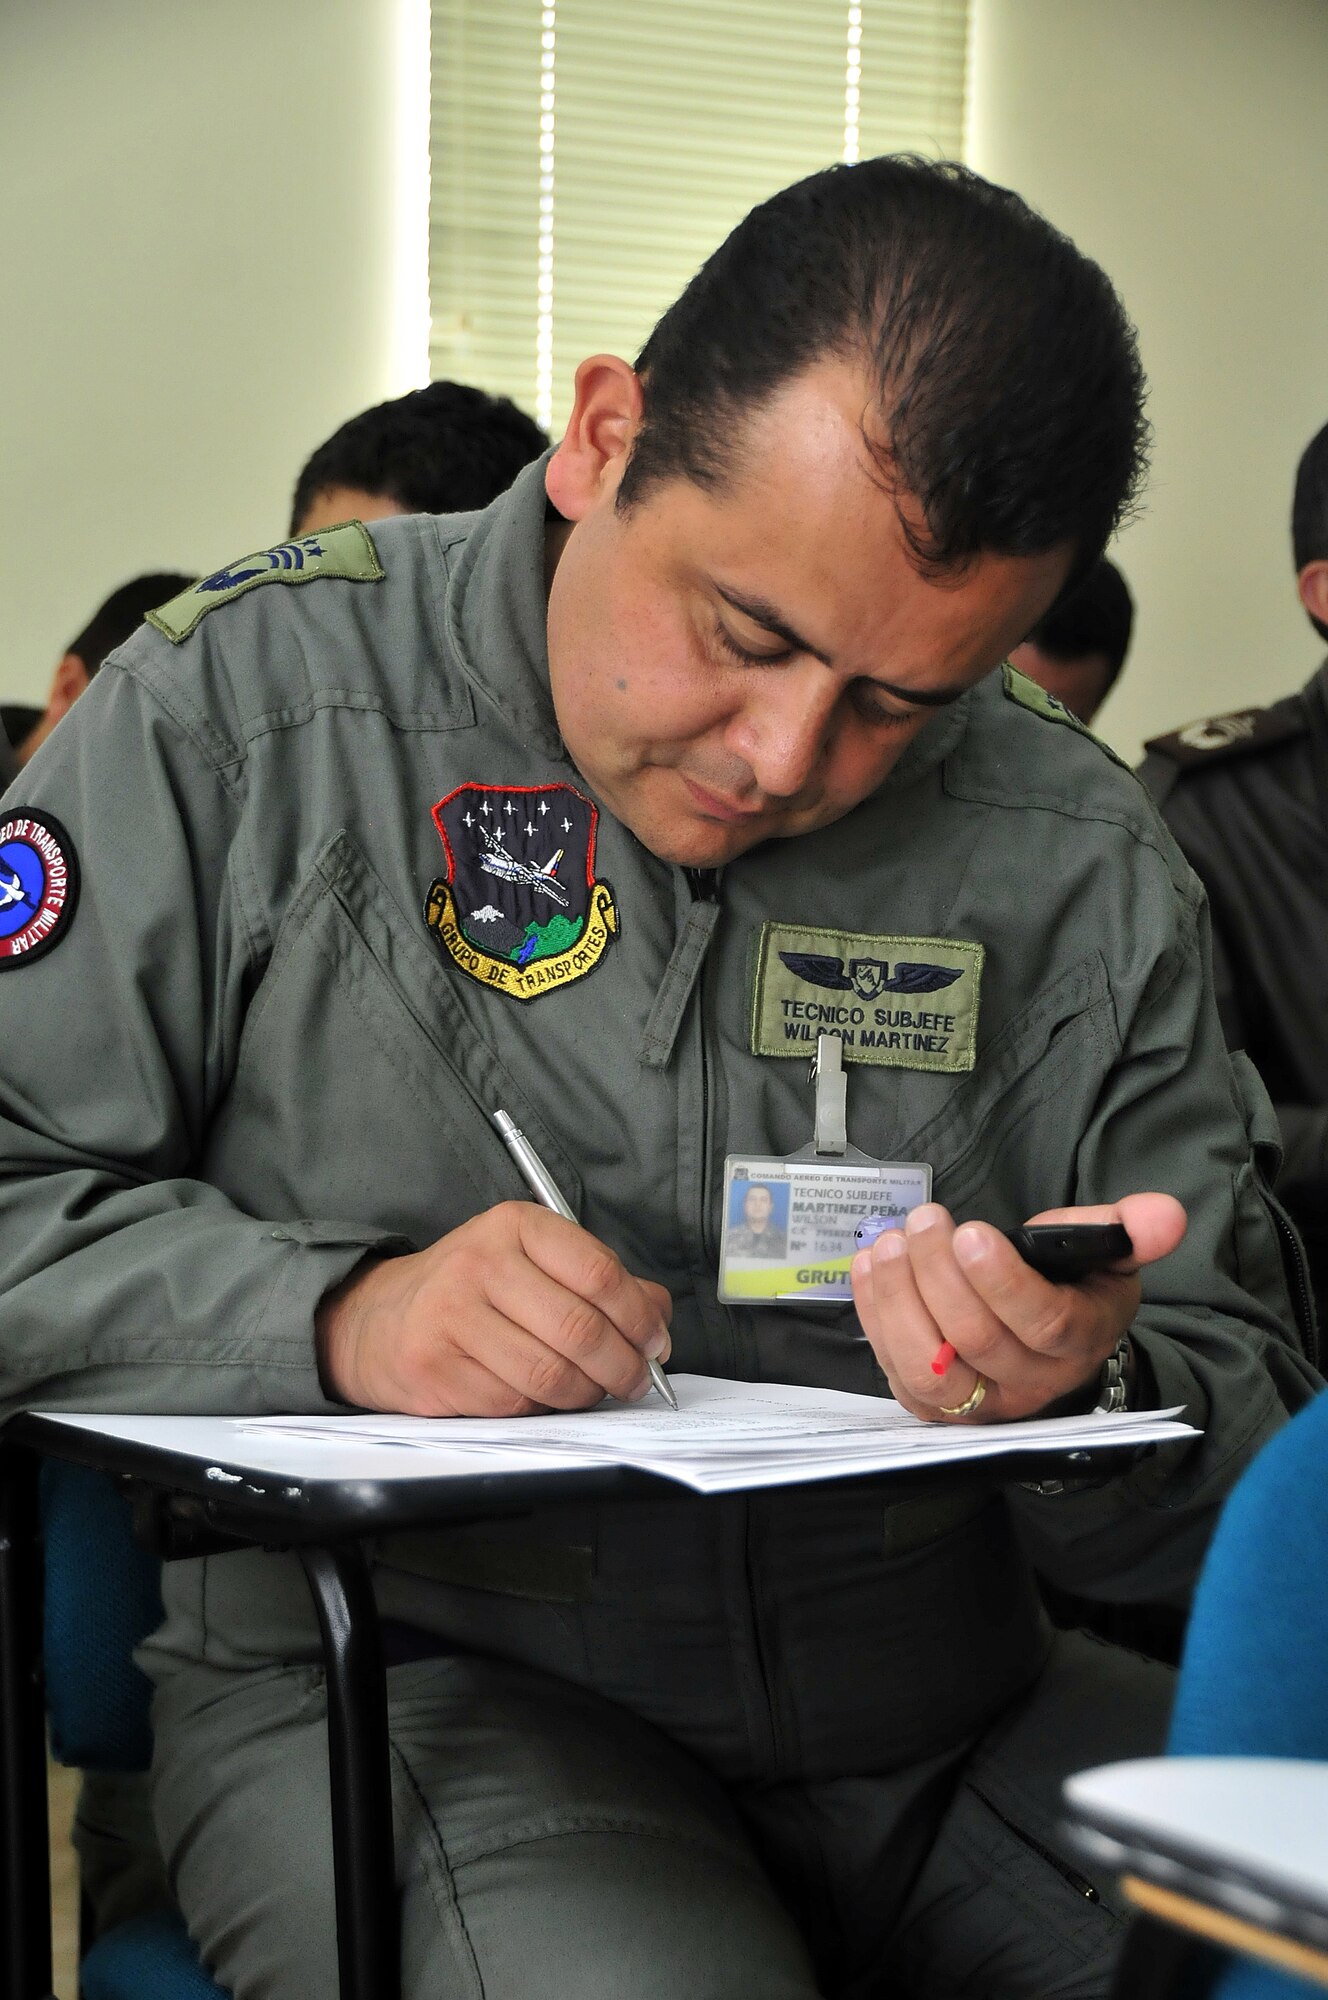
column 25, row 1890
column 368, row 1919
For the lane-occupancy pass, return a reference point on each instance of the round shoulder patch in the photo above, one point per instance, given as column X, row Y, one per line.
column 38, row 885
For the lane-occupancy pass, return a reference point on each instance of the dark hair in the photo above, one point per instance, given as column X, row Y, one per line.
column 122, row 614
column 1096, row 615
column 1009, row 389
column 1309, row 510
column 441, row 450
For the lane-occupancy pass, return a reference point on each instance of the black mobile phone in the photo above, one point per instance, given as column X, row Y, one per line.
column 1068, row 1251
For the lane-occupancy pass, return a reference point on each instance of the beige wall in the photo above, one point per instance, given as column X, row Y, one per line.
column 1184, row 143
column 195, row 239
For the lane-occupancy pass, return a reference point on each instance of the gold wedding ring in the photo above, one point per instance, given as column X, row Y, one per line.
column 974, row 1402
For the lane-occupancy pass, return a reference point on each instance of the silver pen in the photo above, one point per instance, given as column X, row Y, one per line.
column 545, row 1189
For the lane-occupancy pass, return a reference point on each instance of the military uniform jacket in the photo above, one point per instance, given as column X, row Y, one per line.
column 249, row 1060
column 1246, row 796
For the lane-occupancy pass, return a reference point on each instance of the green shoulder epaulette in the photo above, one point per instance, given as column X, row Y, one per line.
column 1019, row 687
column 347, row 552
column 1219, row 737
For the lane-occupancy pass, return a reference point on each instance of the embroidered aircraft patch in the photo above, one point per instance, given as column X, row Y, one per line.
column 38, row 886
column 520, row 909
column 906, row 1002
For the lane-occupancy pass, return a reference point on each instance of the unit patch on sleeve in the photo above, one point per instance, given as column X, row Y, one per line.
column 520, row 909
column 347, row 552
column 38, row 886
column 907, row 1002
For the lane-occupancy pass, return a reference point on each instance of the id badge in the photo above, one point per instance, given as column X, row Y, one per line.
column 788, row 1224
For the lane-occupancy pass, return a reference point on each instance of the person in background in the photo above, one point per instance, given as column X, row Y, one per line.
column 1246, row 796
column 447, row 449
column 109, row 626
column 1077, row 651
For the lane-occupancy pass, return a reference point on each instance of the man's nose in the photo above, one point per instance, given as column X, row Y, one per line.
column 784, row 730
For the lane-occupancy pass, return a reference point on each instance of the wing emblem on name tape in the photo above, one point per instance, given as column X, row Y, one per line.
column 869, row 976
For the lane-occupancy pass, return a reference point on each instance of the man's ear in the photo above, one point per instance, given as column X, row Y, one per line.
column 1313, row 586
column 71, row 680
column 606, row 417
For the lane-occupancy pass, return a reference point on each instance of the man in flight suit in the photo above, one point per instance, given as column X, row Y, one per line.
column 1246, row 796
column 559, row 809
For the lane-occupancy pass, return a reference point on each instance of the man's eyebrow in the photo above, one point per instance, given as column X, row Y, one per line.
column 763, row 613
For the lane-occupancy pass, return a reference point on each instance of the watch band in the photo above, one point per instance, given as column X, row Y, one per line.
column 1113, row 1389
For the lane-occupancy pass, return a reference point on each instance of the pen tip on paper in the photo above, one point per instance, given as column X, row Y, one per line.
column 663, row 1384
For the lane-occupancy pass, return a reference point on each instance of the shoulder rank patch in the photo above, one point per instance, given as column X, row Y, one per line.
column 347, row 552
column 1218, row 737
column 906, row 1002
column 38, row 885
column 520, row 909
column 1030, row 694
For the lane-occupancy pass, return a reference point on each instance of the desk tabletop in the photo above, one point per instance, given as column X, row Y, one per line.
column 286, row 1489
column 1246, row 1835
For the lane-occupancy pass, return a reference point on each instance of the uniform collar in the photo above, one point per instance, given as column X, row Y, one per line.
column 497, row 610
column 934, row 743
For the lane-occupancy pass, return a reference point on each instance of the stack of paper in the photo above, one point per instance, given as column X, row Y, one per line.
column 725, row 1435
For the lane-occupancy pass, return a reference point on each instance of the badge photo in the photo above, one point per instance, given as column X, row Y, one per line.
column 38, row 886
column 788, row 1231
column 520, row 909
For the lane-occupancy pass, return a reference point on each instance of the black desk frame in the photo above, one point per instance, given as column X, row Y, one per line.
column 185, row 1506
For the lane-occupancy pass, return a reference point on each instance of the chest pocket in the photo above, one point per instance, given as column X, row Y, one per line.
column 1006, row 1136
column 362, row 1082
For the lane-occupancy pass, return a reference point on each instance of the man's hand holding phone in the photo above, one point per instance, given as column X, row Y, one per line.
column 1021, row 1341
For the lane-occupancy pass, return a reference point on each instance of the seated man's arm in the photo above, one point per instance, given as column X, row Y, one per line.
column 1304, row 1176
column 1215, row 1328
column 1218, row 1330
column 126, row 1280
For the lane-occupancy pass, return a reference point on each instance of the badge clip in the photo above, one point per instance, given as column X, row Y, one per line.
column 788, row 1234
column 831, row 1130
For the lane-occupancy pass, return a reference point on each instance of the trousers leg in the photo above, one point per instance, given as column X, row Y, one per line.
column 1004, row 1908
column 548, row 1843
column 119, row 1863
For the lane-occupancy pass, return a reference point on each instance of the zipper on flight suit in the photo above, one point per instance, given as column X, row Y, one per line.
column 704, row 885
column 1293, row 1262
column 1070, row 1876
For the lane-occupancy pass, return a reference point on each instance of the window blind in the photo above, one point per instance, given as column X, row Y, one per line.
column 587, row 155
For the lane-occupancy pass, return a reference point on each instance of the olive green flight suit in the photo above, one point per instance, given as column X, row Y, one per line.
column 781, row 1744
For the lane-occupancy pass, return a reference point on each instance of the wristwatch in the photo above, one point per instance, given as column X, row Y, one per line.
column 1113, row 1395
column 1113, row 1386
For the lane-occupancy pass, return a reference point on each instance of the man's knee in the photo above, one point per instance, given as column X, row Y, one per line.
column 547, row 1842
column 1004, row 1905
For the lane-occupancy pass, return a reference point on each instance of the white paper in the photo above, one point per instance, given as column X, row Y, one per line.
column 724, row 1436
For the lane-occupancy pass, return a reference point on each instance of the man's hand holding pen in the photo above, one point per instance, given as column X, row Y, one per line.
column 1020, row 1343
column 515, row 1312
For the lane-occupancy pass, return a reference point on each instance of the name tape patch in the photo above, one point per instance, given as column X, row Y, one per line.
column 38, row 886
column 347, row 552
column 905, row 1002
